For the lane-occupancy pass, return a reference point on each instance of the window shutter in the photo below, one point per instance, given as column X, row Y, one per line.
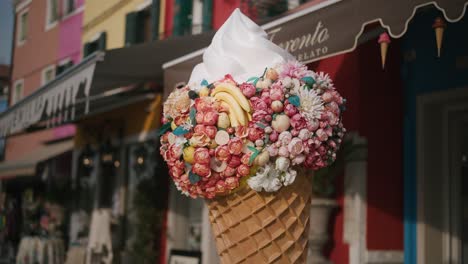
column 101, row 45
column 182, row 21
column 87, row 49
column 207, row 15
column 131, row 27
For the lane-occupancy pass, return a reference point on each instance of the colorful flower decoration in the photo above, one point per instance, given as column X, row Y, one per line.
column 220, row 136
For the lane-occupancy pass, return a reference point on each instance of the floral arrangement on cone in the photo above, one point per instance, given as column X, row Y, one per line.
column 220, row 136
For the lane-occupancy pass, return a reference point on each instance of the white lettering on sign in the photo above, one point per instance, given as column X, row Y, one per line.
column 307, row 46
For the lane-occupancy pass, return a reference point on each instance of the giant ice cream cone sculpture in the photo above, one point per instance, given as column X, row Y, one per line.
column 439, row 27
column 384, row 41
column 242, row 134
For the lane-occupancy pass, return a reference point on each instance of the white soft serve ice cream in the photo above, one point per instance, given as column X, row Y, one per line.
column 240, row 48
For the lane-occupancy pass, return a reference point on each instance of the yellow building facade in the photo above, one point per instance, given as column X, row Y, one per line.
column 109, row 16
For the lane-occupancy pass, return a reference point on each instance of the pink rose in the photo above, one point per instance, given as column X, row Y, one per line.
column 243, row 170
column 290, row 110
column 203, row 104
column 258, row 104
column 199, row 129
column 255, row 133
column 234, row 161
column 246, row 158
column 203, row 170
column 211, row 131
column 235, row 146
column 295, row 147
column 210, row 118
column 298, row 122
column 229, row 171
column 322, row 135
column 328, row 97
column 304, row 134
column 232, row 183
column 173, row 152
column 201, row 155
column 222, row 153
column 259, row 115
column 274, row 136
column 285, row 137
column 242, row 131
column 299, row 159
column 283, row 151
column 181, row 119
column 276, row 92
column 220, row 186
column 313, row 125
column 199, row 117
column 273, row 150
column 248, row 89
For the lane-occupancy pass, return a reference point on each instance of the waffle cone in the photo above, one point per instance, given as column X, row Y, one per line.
column 383, row 53
column 262, row 227
column 439, row 31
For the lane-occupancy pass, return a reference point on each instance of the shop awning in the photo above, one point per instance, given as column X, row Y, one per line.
column 97, row 82
column 324, row 28
column 27, row 164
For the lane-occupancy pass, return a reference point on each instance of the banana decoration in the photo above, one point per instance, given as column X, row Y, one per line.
column 234, row 107
column 235, row 92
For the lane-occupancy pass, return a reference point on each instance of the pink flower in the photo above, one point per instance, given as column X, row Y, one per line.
column 274, row 136
column 290, row 110
column 234, row 161
column 304, row 134
column 204, row 104
column 232, row 183
column 243, row 170
column 277, row 106
column 210, row 118
column 298, row 122
column 235, row 146
column 273, row 150
column 283, row 151
column 293, row 69
column 242, row 131
column 328, row 97
column 298, row 159
column 248, row 89
column 276, row 92
column 211, row 131
column 312, row 125
column 285, row 137
column 203, row 170
column 246, row 158
column 258, row 104
column 201, row 155
column 173, row 153
column 259, row 115
column 322, row 135
column 222, row 153
column 199, row 129
column 295, row 147
column 229, row 171
column 220, row 186
column 255, row 133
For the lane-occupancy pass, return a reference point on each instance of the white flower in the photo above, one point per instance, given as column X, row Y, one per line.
column 289, row 177
column 282, row 163
column 195, row 86
column 266, row 178
column 323, row 80
column 311, row 104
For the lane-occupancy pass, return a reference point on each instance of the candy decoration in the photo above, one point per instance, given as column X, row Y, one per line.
column 384, row 41
column 439, row 27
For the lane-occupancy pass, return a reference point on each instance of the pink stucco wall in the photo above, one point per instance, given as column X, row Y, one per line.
column 69, row 37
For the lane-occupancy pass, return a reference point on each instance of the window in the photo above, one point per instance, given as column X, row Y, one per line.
column 48, row 74
column 98, row 43
column 138, row 27
column 22, row 27
column 63, row 66
column 52, row 14
column 18, row 91
column 68, row 6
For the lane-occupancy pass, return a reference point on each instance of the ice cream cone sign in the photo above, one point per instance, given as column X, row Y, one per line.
column 439, row 27
column 384, row 41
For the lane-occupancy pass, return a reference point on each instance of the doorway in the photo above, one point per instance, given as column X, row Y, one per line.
column 442, row 144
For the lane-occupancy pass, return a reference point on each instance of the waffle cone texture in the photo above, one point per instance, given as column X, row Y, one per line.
column 262, row 227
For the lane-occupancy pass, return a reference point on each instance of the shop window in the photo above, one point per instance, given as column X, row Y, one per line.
column 138, row 27
column 23, row 20
column 68, row 6
column 63, row 66
column 18, row 91
column 52, row 14
column 48, row 74
column 98, row 44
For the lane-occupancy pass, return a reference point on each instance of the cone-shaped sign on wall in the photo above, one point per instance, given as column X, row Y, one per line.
column 439, row 27
column 384, row 41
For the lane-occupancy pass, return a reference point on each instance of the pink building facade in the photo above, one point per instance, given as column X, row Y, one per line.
column 47, row 42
